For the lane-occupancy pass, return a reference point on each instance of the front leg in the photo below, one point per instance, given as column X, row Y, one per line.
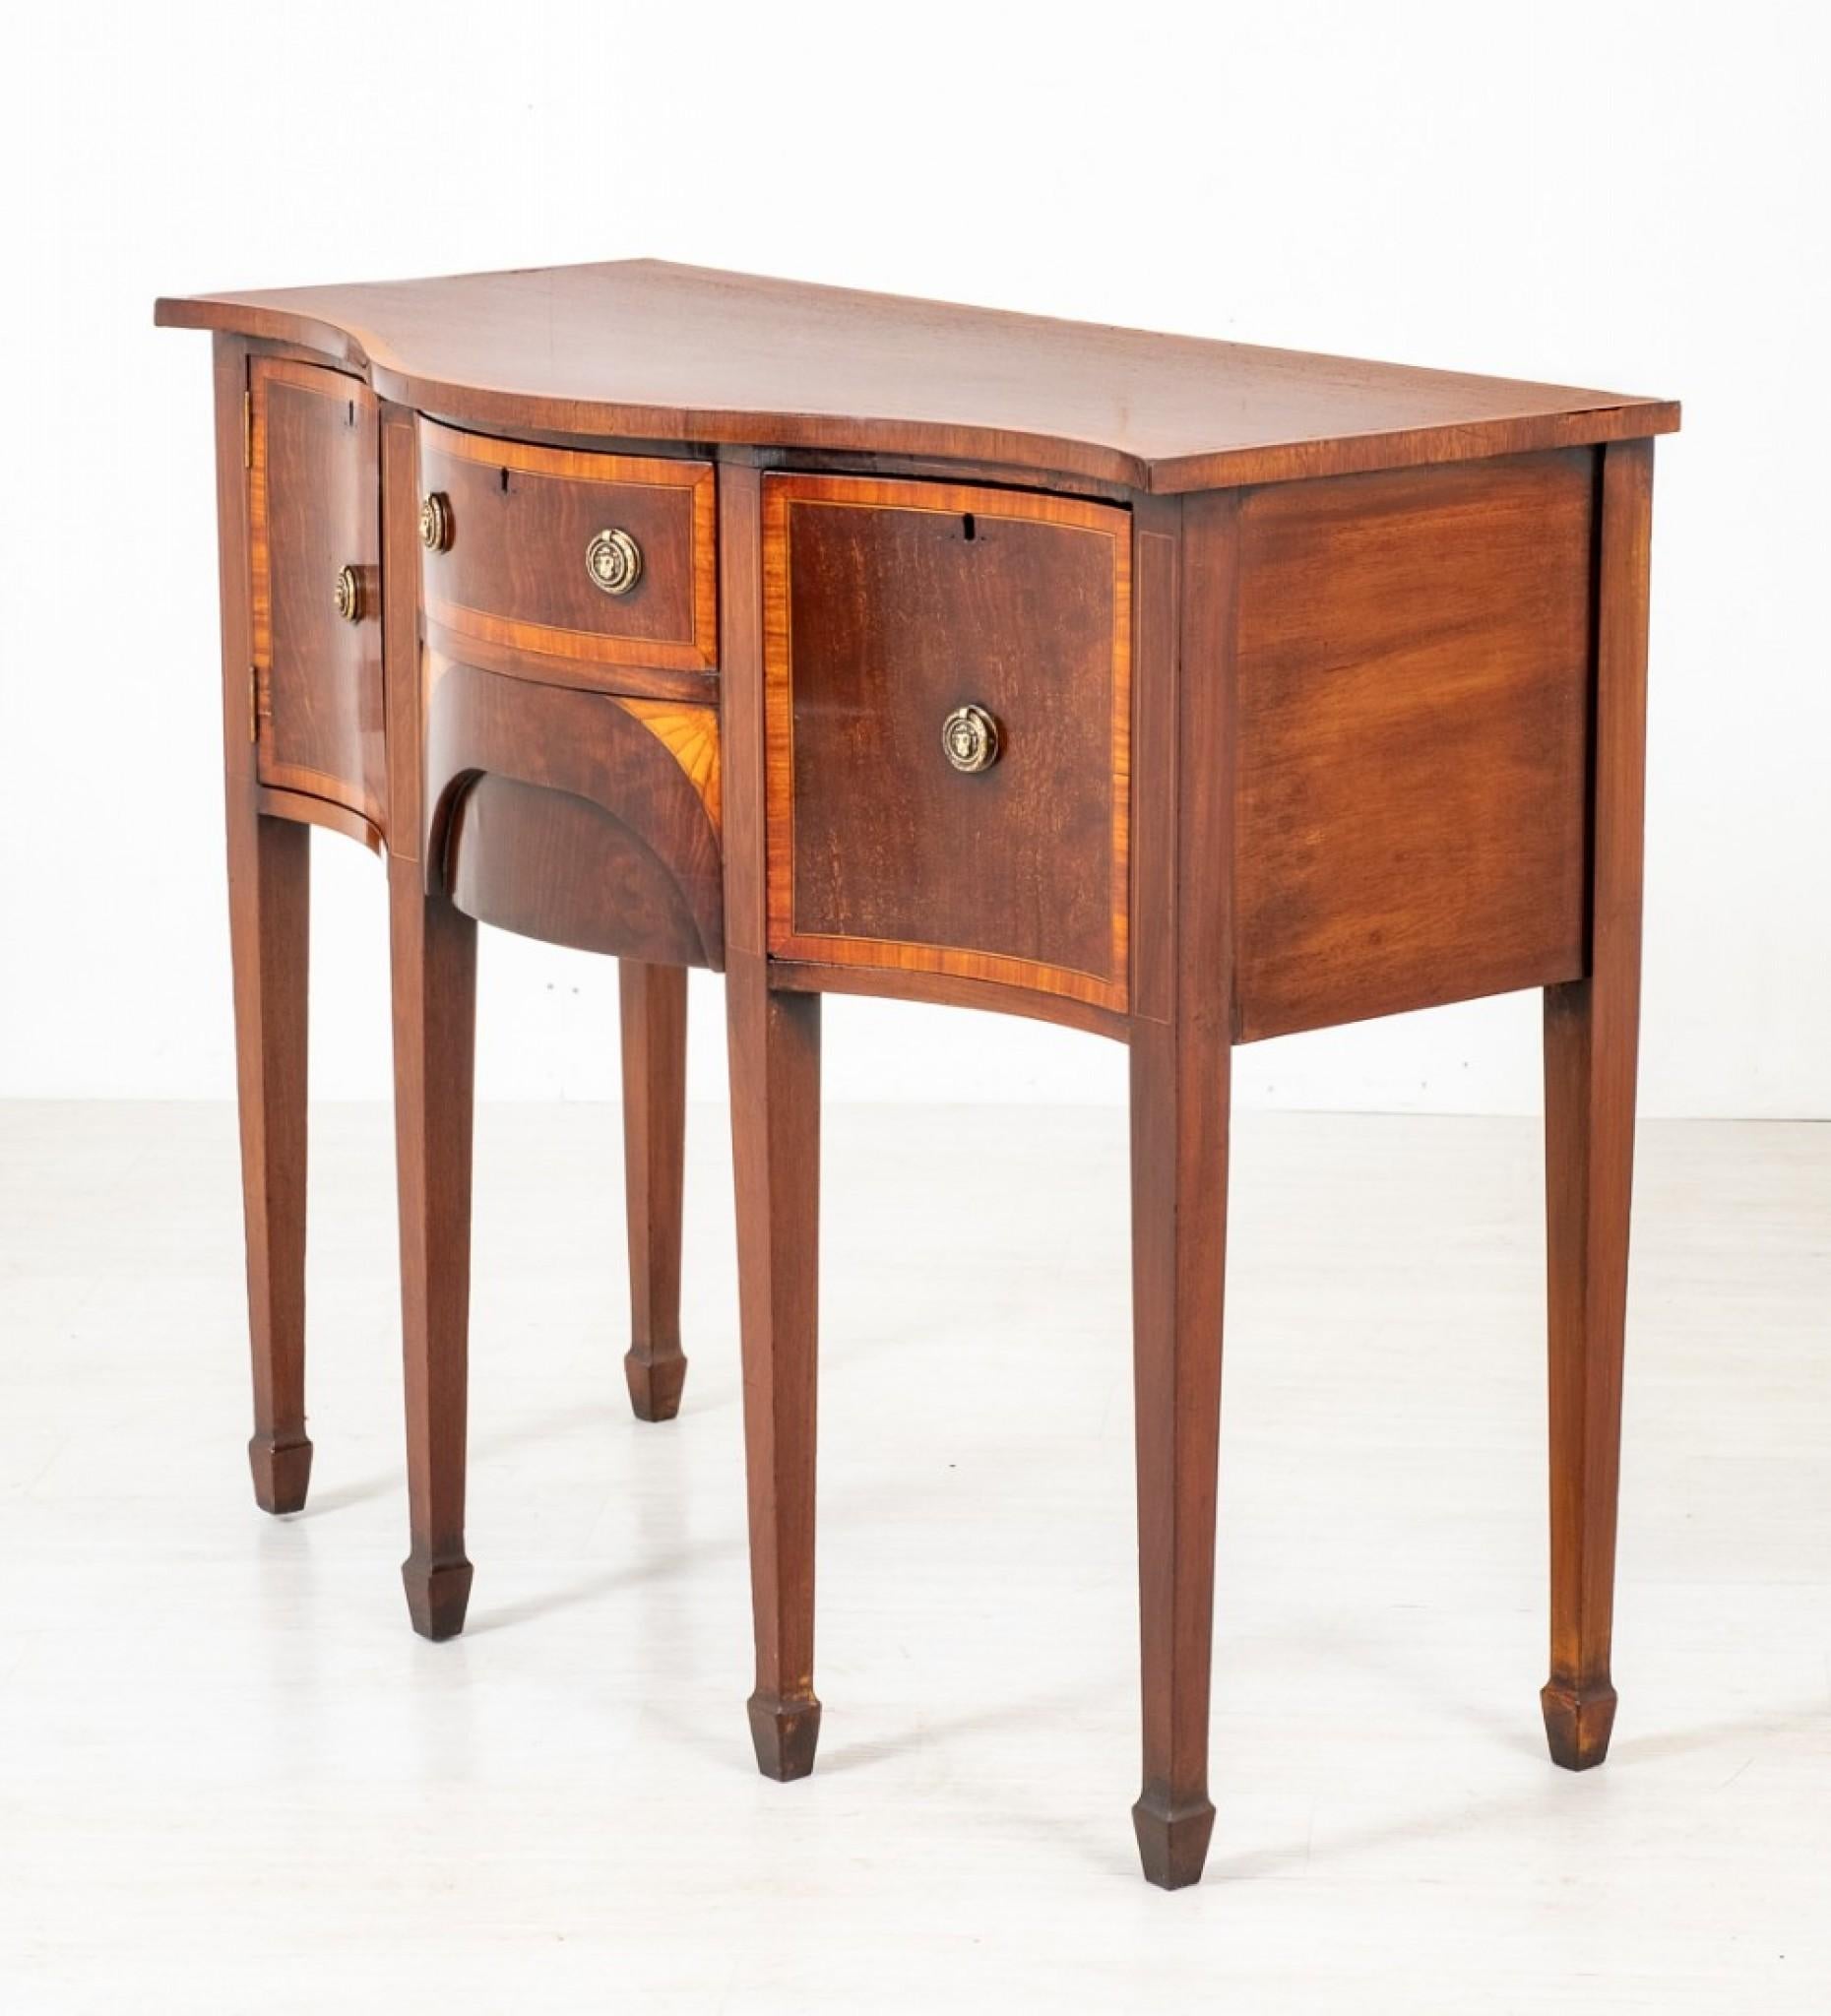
column 434, row 1029
column 1180, row 1150
column 1589, row 1082
column 270, row 900
column 1181, row 1062
column 775, row 1063
column 1592, row 1028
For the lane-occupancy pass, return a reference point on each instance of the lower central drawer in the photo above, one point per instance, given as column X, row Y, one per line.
column 583, row 819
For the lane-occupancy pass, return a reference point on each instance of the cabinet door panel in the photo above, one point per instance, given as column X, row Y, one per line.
column 314, row 497
column 888, row 605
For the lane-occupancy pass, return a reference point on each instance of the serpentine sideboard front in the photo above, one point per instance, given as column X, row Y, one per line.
column 1183, row 692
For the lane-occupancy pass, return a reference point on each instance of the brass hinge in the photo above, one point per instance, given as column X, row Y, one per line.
column 247, row 430
column 254, row 702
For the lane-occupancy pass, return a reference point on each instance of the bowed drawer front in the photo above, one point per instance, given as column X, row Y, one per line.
column 947, row 677
column 568, row 566
column 314, row 515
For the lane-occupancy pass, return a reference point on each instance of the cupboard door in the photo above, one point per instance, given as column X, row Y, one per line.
column 315, row 523
column 948, row 687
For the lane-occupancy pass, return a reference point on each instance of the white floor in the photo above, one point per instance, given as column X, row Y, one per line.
column 233, row 1779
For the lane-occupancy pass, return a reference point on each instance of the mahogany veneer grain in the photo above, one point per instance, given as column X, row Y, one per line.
column 644, row 349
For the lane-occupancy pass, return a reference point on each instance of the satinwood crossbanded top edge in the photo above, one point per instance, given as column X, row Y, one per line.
column 642, row 349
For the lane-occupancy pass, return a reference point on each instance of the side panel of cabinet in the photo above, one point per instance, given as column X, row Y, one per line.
column 1415, row 654
column 314, row 509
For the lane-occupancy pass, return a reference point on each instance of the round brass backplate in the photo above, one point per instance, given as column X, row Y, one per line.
column 969, row 736
column 347, row 595
column 613, row 560
column 435, row 522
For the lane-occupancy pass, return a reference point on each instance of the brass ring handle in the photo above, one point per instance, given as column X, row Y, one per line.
column 435, row 522
column 347, row 595
column 971, row 739
column 613, row 560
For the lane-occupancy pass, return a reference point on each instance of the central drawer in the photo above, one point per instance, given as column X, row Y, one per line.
column 948, row 698
column 568, row 565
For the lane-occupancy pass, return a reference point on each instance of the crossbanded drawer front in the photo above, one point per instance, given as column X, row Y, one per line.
column 577, row 567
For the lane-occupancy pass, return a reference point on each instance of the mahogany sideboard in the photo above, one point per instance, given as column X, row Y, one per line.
column 1183, row 692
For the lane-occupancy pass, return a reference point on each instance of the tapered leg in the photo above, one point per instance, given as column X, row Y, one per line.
column 653, row 1016
column 270, row 906
column 775, row 1063
column 1179, row 1149
column 1185, row 577
column 1592, row 1030
column 434, row 1028
column 1589, row 1083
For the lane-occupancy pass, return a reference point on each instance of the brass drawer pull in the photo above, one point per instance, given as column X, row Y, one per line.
column 347, row 595
column 613, row 560
column 969, row 736
column 435, row 522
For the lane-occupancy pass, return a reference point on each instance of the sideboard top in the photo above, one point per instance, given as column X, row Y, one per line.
column 642, row 348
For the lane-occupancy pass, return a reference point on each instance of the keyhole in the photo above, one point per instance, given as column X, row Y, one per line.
column 505, row 482
column 971, row 528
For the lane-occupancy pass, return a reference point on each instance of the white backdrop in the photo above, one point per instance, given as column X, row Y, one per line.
column 1632, row 195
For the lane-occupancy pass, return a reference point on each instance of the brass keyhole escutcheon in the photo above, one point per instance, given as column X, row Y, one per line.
column 613, row 560
column 347, row 595
column 435, row 522
column 969, row 736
